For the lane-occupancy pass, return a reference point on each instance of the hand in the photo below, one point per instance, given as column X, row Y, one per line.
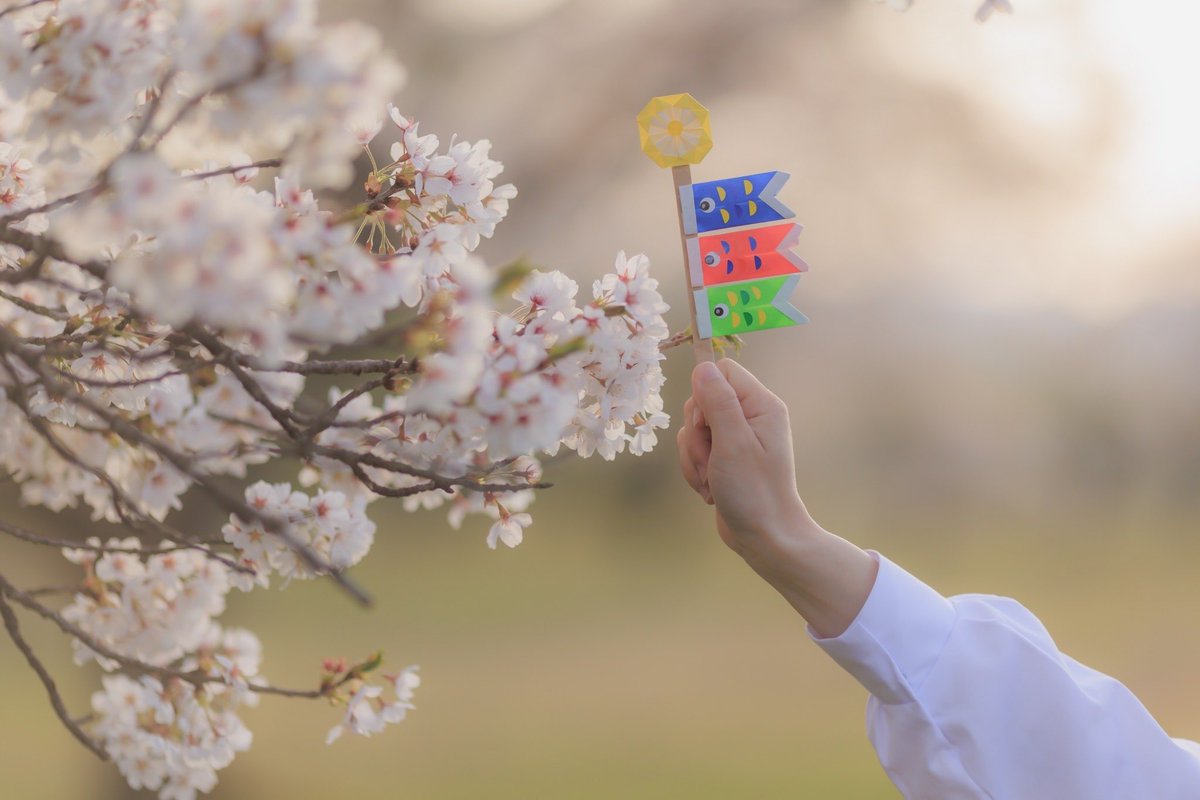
column 735, row 449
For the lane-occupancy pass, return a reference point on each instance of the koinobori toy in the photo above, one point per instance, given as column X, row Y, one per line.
column 738, row 255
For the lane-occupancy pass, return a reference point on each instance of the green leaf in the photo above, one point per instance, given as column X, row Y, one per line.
column 373, row 661
column 510, row 277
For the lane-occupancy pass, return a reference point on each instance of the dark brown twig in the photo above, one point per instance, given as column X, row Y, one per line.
column 354, row 366
column 34, row 308
column 56, row 702
column 234, row 168
column 136, row 666
column 22, row 7
column 36, row 538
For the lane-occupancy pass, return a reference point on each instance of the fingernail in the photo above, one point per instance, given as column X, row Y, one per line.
column 697, row 419
column 707, row 371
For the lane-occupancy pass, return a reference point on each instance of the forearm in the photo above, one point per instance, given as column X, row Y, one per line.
column 824, row 577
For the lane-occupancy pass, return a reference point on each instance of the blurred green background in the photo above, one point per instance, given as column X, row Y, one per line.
column 999, row 390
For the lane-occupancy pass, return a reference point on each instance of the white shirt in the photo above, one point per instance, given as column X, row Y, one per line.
column 971, row 700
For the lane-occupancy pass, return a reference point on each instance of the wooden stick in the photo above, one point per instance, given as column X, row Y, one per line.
column 701, row 348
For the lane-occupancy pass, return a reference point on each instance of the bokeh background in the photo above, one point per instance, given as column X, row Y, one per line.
column 999, row 389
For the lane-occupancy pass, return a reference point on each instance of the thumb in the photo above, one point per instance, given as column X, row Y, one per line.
column 719, row 403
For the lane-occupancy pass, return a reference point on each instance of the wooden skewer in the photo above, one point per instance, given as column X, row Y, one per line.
column 702, row 349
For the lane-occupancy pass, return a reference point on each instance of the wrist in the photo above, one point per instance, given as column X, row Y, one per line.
column 783, row 541
column 823, row 576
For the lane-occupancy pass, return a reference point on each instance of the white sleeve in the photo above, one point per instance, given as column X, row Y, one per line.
column 971, row 700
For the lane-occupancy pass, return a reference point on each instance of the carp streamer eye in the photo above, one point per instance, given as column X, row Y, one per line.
column 720, row 310
column 707, row 205
column 711, row 259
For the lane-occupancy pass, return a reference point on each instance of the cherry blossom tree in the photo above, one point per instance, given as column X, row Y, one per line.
column 170, row 281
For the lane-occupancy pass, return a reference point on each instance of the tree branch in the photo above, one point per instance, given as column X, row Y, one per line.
column 329, row 416
column 358, row 366
column 185, row 464
column 674, row 340
column 125, row 506
column 14, row 632
column 136, row 666
column 22, row 7
column 36, row 538
column 266, row 163
column 43, row 247
column 228, row 357
column 466, row 482
column 34, row 308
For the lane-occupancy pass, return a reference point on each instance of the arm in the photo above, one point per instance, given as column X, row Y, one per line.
column 970, row 697
column 735, row 449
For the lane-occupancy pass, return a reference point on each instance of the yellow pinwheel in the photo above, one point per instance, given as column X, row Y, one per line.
column 674, row 130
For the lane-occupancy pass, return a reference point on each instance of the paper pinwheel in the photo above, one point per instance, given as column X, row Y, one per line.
column 674, row 130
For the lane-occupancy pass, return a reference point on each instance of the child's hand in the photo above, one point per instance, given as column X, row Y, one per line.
column 735, row 448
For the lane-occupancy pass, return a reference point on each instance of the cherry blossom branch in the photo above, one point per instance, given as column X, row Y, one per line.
column 56, row 702
column 36, row 538
column 136, row 666
column 43, row 247
column 193, row 102
column 436, row 481
column 43, row 591
column 227, row 356
column 387, row 416
column 125, row 506
column 128, row 382
column 61, row 341
column 34, row 308
column 30, row 271
column 325, row 690
column 22, row 7
column 266, row 163
column 101, row 185
column 185, row 464
column 359, row 366
column 151, row 111
column 387, row 333
column 286, row 417
column 676, row 339
column 329, row 416
column 720, row 343
column 59, row 202
column 389, row 491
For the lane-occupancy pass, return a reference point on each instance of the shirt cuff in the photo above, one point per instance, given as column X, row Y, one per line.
column 896, row 639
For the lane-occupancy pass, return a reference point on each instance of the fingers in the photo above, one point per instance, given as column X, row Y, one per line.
column 755, row 398
column 718, row 401
column 731, row 413
column 695, row 444
column 692, row 415
column 693, row 447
